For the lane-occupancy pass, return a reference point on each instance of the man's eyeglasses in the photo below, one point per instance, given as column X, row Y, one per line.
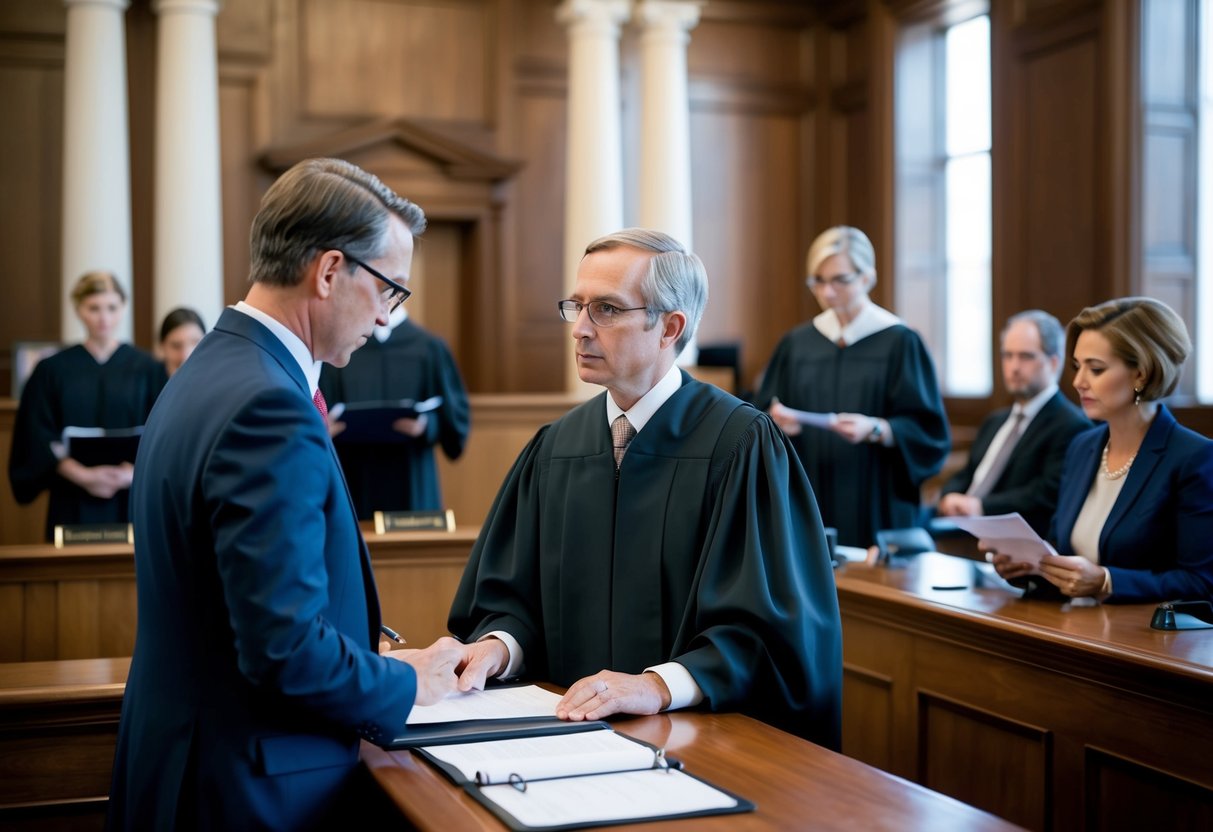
column 816, row 281
column 393, row 295
column 601, row 313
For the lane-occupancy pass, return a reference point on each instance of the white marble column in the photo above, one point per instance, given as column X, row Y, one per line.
column 96, row 153
column 594, row 152
column 665, row 135
column 188, row 254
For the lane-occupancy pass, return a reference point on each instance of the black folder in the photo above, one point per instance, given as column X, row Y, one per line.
column 101, row 446
column 370, row 423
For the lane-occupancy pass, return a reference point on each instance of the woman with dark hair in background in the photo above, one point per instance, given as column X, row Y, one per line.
column 180, row 332
column 1134, row 519
column 101, row 383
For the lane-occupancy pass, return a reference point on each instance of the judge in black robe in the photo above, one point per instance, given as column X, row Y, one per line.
column 862, row 364
column 73, row 388
column 411, row 364
column 704, row 549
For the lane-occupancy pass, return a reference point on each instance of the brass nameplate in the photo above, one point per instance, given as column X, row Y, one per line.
column 415, row 521
column 93, row 533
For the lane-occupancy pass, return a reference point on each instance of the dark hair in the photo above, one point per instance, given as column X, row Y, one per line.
column 180, row 317
column 1144, row 333
column 322, row 204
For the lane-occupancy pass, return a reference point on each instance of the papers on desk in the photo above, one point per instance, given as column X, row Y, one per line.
column 1008, row 534
column 494, row 713
column 583, row 779
column 494, row 703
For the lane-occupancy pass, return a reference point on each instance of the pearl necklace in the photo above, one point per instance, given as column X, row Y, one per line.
column 1119, row 472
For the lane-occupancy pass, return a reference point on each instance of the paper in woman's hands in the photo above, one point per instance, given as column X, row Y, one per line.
column 1007, row 534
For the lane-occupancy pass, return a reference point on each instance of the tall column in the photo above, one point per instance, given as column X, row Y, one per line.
column 594, row 152
column 188, row 256
column 665, row 135
column 96, row 153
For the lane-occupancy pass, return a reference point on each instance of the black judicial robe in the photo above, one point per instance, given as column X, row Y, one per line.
column 410, row 364
column 726, row 573
column 71, row 388
column 865, row 487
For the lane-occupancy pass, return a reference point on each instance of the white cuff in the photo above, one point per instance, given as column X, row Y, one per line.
column 684, row 692
column 514, row 648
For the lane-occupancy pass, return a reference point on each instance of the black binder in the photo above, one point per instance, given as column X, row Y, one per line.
column 370, row 423
column 101, row 446
column 657, row 777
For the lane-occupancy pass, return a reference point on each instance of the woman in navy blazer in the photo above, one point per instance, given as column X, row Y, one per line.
column 1134, row 519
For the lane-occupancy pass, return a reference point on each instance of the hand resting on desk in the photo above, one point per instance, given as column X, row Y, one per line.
column 608, row 692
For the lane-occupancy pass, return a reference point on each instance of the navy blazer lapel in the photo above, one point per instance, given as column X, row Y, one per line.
column 1151, row 452
column 1085, row 452
column 235, row 322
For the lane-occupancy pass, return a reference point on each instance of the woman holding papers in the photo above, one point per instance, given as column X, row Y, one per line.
column 1134, row 519
column 100, row 383
column 855, row 390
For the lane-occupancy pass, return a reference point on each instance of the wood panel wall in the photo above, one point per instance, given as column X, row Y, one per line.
column 792, row 130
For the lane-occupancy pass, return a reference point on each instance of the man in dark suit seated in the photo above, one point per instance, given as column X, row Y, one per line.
column 1015, row 462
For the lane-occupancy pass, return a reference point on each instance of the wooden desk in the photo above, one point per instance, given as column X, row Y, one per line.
column 79, row 602
column 795, row 784
column 1049, row 715
column 58, row 728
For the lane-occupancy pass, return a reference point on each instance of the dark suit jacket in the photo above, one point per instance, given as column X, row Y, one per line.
column 1158, row 541
column 1030, row 481
column 255, row 669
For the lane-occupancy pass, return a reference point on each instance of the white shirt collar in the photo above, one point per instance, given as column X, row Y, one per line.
column 293, row 343
column 870, row 320
column 649, row 403
column 1034, row 404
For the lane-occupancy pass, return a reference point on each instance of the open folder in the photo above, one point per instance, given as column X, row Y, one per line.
column 371, row 422
column 570, row 781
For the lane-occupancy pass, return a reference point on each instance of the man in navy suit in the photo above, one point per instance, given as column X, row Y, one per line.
column 1035, row 431
column 256, row 669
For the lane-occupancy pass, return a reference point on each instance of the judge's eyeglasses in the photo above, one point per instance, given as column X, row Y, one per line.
column 393, row 295
column 601, row 313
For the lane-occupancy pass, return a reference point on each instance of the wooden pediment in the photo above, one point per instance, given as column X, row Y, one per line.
column 448, row 147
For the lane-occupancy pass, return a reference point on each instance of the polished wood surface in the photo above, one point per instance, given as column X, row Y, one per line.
column 58, row 728
column 80, row 602
column 795, row 784
column 1050, row 715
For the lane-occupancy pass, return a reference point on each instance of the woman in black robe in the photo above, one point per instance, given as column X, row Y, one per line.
column 100, row 383
column 855, row 389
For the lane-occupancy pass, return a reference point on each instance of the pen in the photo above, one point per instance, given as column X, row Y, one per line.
column 392, row 634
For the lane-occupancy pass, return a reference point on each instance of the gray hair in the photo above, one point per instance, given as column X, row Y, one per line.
column 676, row 280
column 322, row 204
column 1052, row 336
column 842, row 239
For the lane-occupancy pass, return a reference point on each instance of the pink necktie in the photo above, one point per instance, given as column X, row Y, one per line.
column 321, row 405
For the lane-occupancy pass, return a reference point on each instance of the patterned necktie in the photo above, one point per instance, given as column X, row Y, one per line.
column 1000, row 461
column 621, row 436
column 321, row 405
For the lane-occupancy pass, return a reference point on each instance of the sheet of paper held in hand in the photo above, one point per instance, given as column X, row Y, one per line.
column 813, row 420
column 1007, row 534
column 493, row 703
